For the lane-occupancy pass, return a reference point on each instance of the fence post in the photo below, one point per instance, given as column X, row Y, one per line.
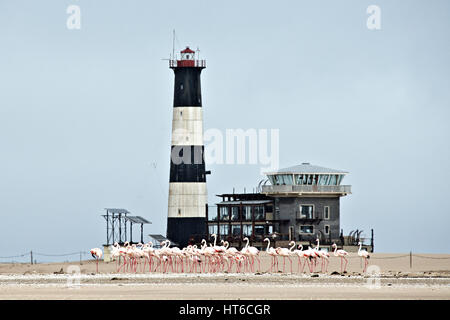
column 410, row 259
column 31, row 256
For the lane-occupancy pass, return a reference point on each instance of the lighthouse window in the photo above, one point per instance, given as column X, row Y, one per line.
column 181, row 87
column 327, row 229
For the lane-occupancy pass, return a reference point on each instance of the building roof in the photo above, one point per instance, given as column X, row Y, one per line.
column 247, row 202
column 307, row 168
column 187, row 50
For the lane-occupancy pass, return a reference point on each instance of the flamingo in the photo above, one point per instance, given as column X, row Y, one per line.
column 342, row 254
column 285, row 253
column 251, row 252
column 324, row 256
column 365, row 255
column 97, row 254
column 309, row 256
column 300, row 254
column 272, row 252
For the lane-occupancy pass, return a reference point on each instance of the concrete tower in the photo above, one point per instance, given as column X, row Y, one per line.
column 187, row 184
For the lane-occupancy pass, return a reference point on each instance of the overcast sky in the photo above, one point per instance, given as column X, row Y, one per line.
column 84, row 114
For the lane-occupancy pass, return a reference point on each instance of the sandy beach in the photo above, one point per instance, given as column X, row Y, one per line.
column 429, row 278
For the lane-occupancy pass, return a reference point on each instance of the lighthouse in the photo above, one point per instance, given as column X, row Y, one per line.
column 187, row 184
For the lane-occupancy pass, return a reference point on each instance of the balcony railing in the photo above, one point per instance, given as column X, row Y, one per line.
column 344, row 189
column 187, row 63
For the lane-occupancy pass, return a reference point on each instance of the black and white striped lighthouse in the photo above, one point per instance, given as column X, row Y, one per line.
column 187, row 184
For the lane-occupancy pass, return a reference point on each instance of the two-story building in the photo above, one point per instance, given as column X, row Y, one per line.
column 300, row 203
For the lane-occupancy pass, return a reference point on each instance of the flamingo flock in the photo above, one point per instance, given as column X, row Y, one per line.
column 214, row 258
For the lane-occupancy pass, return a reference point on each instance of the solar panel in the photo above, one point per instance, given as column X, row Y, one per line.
column 137, row 219
column 114, row 210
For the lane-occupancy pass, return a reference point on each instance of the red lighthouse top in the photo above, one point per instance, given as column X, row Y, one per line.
column 187, row 50
column 187, row 60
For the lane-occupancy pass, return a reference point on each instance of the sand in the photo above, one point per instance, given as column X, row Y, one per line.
column 429, row 278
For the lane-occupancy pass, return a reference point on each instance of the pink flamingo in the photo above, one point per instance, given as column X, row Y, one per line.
column 97, row 254
column 285, row 253
column 272, row 252
column 324, row 256
column 365, row 255
column 300, row 254
column 342, row 254
column 251, row 252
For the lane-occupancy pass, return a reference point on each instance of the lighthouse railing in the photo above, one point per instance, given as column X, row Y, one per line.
column 187, row 63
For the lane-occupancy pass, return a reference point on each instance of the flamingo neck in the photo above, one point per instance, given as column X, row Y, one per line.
column 268, row 244
column 292, row 247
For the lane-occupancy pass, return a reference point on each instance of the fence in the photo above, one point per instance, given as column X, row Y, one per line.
column 30, row 257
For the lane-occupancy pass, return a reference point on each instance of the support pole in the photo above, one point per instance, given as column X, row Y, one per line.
column 410, row 259
column 131, row 232
column 371, row 241
column 31, row 256
column 142, row 233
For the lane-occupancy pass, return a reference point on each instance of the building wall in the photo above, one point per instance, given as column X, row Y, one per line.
column 289, row 208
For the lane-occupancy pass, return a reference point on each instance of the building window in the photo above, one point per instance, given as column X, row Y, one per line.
column 284, row 179
column 259, row 230
column 333, row 180
column 306, row 211
column 326, row 213
column 247, row 230
column 259, row 212
column 235, row 213
column 212, row 229
column 224, row 215
column 224, row 229
column 236, row 231
column 247, row 214
column 327, row 229
column 306, row 229
column 323, row 179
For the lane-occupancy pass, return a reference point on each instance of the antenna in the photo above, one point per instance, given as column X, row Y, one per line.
column 173, row 45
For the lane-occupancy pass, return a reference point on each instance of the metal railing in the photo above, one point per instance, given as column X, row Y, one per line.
column 187, row 63
column 306, row 189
